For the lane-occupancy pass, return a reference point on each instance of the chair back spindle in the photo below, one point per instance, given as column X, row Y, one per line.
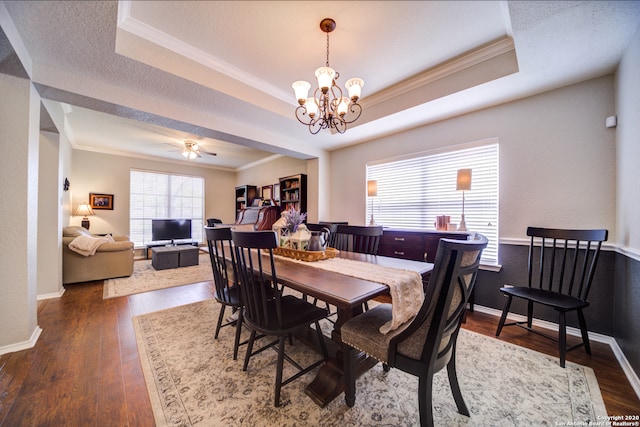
column 355, row 238
column 566, row 260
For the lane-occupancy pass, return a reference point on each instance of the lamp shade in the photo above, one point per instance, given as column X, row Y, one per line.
column 301, row 89
column 372, row 188
column 354, row 86
column 84, row 210
column 463, row 182
column 325, row 77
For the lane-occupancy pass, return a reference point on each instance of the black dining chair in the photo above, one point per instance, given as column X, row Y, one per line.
column 267, row 310
column 561, row 266
column 426, row 344
column 225, row 278
column 357, row 238
column 211, row 222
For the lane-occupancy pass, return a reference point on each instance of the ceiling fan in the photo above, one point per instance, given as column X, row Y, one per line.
column 191, row 150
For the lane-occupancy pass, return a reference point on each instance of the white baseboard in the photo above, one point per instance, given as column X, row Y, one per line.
column 51, row 295
column 22, row 345
column 593, row 336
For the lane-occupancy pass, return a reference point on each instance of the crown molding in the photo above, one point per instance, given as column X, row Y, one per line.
column 153, row 35
column 469, row 59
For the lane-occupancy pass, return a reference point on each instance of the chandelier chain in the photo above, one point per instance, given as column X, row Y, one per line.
column 327, row 49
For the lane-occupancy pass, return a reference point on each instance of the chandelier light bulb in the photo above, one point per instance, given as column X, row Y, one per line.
column 301, row 89
column 343, row 106
column 325, row 77
column 312, row 107
column 354, row 87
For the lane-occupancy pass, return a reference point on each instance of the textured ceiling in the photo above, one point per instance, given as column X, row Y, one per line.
column 133, row 77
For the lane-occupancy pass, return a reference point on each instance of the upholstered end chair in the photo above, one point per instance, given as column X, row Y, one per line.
column 111, row 260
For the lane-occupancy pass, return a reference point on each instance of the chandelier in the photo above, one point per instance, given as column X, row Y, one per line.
column 328, row 108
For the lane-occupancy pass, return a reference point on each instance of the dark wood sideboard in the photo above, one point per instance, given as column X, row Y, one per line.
column 417, row 245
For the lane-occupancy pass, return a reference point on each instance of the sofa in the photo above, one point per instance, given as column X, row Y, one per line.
column 111, row 259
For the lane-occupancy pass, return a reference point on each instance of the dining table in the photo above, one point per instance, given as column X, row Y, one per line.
column 348, row 294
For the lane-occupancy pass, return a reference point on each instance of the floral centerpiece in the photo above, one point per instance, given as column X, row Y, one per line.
column 294, row 218
column 292, row 233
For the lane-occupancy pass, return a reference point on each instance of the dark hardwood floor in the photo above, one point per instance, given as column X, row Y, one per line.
column 84, row 369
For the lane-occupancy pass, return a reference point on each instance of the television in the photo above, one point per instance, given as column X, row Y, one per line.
column 170, row 229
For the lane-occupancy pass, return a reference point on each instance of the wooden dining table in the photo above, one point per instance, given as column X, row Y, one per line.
column 348, row 294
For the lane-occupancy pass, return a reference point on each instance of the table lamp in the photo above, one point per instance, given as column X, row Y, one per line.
column 84, row 210
column 372, row 191
column 463, row 182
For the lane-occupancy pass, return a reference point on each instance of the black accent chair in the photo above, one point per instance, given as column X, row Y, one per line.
column 357, row 238
column 225, row 278
column 427, row 344
column 267, row 310
column 561, row 266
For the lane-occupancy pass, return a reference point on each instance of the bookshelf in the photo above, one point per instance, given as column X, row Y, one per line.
column 244, row 195
column 293, row 192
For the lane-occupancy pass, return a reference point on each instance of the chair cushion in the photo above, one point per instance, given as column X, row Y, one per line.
column 542, row 296
column 362, row 332
column 230, row 296
column 295, row 313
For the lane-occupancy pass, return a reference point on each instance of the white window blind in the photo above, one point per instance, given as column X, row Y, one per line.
column 412, row 191
column 156, row 195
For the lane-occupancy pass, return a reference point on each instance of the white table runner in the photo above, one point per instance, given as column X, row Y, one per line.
column 405, row 286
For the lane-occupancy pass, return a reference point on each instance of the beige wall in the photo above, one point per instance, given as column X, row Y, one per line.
column 269, row 173
column 104, row 173
column 49, row 212
column 557, row 159
column 628, row 145
column 19, row 139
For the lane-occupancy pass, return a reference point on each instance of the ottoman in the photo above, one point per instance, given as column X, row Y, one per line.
column 189, row 255
column 164, row 257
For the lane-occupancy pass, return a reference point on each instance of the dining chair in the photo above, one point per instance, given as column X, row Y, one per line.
column 357, row 238
column 225, row 279
column 560, row 270
column 267, row 310
column 211, row 222
column 426, row 344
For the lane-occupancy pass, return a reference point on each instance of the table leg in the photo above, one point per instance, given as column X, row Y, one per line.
column 329, row 383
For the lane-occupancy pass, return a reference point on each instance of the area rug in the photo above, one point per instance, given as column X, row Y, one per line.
column 193, row 381
column 145, row 278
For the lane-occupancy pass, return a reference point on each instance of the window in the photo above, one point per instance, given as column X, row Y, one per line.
column 157, row 195
column 413, row 190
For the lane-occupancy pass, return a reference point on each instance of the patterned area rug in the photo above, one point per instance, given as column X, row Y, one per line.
column 145, row 278
column 193, row 381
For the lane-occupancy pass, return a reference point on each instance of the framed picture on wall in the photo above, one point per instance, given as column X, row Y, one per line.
column 267, row 192
column 101, row 201
column 276, row 192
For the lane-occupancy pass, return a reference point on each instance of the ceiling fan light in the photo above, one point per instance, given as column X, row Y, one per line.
column 301, row 89
column 354, row 86
column 325, row 77
column 185, row 153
